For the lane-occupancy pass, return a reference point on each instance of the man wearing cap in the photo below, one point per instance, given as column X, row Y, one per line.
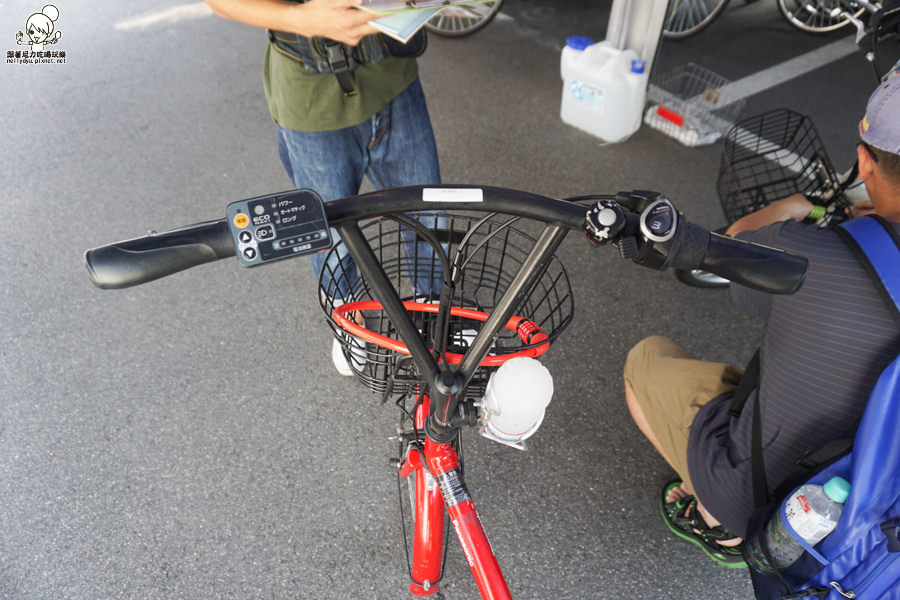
column 821, row 352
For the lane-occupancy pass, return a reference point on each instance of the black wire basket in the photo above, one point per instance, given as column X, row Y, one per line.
column 484, row 254
column 771, row 156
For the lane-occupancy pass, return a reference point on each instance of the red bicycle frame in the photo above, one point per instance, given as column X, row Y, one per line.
column 439, row 485
column 435, row 466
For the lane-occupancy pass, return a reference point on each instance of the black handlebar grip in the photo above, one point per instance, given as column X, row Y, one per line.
column 755, row 266
column 144, row 259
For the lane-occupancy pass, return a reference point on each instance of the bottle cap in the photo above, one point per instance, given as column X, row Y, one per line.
column 638, row 66
column 579, row 42
column 838, row 489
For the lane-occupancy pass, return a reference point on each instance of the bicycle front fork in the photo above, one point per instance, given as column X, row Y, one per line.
column 439, row 486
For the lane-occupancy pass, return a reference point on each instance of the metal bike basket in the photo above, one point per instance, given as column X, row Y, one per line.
column 769, row 157
column 693, row 105
column 485, row 253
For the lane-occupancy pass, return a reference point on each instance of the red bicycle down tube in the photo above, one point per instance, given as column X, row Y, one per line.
column 428, row 521
column 444, row 464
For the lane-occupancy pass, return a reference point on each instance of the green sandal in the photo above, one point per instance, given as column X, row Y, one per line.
column 685, row 521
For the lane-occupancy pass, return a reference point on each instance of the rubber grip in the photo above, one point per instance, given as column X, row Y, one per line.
column 755, row 266
column 139, row 260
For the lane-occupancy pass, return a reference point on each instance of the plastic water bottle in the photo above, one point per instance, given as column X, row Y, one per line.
column 515, row 400
column 813, row 512
column 604, row 88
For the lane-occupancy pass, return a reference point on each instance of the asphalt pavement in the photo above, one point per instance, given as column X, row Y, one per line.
column 190, row 439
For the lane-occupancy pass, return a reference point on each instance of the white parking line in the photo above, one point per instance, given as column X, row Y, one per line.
column 776, row 75
column 174, row 14
column 790, row 69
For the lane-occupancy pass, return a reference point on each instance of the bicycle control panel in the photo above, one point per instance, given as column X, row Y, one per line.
column 278, row 226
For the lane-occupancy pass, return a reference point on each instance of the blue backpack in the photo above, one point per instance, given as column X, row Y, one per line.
column 861, row 558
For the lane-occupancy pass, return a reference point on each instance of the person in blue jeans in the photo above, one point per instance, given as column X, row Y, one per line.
column 347, row 103
column 396, row 148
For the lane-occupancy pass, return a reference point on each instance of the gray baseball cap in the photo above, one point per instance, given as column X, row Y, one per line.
column 880, row 126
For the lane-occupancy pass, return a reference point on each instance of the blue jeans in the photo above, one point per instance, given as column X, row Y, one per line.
column 393, row 148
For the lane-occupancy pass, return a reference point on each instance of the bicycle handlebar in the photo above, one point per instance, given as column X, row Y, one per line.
column 140, row 260
column 752, row 265
column 144, row 259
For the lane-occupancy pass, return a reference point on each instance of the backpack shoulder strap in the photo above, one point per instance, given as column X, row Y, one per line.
column 877, row 246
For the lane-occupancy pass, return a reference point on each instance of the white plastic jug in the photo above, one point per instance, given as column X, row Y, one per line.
column 604, row 88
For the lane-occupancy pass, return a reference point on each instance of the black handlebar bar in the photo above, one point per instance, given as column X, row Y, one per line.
column 140, row 260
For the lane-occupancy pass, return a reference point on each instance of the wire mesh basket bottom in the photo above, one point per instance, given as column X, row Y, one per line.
column 769, row 157
column 693, row 105
column 486, row 253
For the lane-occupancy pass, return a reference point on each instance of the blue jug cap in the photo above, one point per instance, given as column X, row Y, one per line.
column 579, row 42
column 638, row 66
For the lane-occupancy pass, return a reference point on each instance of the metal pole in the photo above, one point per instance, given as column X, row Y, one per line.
column 637, row 24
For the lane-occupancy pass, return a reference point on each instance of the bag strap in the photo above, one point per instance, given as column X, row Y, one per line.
column 340, row 66
column 749, row 381
column 757, row 466
column 877, row 245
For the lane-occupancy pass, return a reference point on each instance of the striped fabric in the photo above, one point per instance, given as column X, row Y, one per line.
column 822, row 351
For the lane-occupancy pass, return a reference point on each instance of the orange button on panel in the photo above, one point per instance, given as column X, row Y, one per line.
column 241, row 220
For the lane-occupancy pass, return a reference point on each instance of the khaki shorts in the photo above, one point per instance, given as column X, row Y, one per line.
column 671, row 387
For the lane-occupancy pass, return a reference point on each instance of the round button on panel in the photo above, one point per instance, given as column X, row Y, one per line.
column 241, row 220
column 245, row 237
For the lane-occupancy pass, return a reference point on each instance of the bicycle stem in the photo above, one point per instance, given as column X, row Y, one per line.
column 445, row 397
